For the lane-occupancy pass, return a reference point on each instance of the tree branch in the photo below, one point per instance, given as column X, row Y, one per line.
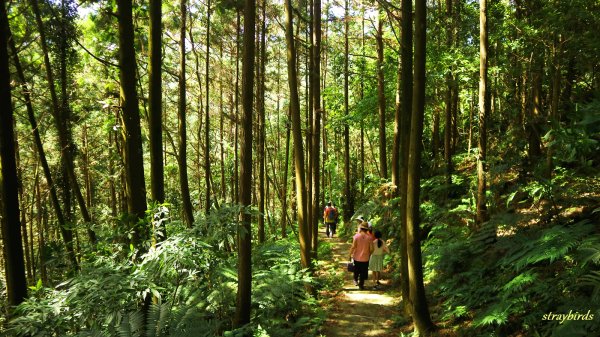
column 105, row 62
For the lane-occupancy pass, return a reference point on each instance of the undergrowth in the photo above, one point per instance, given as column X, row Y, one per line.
column 525, row 271
column 192, row 281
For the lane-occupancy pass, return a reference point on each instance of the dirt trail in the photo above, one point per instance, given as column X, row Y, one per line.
column 357, row 312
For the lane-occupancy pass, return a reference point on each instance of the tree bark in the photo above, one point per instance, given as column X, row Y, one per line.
column 381, row 98
column 301, row 202
column 134, row 162
column 484, row 108
column 420, row 311
column 406, row 107
column 16, row 282
column 188, row 211
column 448, row 101
column 207, row 116
column 157, row 171
column 316, row 103
column 243, row 302
column 36, row 136
column 222, row 131
column 66, row 233
column 284, row 214
column 237, row 106
column 554, row 105
column 261, row 126
column 348, row 191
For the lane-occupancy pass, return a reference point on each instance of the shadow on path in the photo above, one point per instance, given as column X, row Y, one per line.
column 357, row 312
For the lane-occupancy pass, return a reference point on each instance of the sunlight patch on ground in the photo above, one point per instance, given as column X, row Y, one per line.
column 370, row 297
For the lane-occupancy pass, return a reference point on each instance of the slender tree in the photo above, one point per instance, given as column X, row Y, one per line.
column 301, row 203
column 134, row 163
column 403, row 122
column 448, row 100
column 262, row 60
column 237, row 105
column 348, row 192
column 38, row 143
column 207, row 116
column 417, row 299
column 157, row 183
column 284, row 211
column 381, row 103
column 484, row 107
column 242, row 313
column 182, row 129
column 316, row 128
column 16, row 283
column 66, row 158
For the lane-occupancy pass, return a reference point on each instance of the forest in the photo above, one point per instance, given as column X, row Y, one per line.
column 165, row 165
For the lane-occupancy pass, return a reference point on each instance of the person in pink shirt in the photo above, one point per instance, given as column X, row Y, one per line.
column 360, row 253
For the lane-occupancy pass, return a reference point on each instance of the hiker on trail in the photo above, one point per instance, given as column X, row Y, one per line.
column 370, row 231
column 360, row 252
column 330, row 217
column 378, row 249
column 360, row 221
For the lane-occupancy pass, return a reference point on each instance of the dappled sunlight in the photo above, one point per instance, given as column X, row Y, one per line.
column 361, row 296
column 358, row 312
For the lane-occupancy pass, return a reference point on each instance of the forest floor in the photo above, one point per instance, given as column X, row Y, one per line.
column 355, row 312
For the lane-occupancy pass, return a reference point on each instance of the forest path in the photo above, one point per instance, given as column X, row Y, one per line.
column 357, row 312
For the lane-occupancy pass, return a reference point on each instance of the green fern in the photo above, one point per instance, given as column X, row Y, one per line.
column 593, row 280
column 132, row 325
column 519, row 282
column 550, row 245
column 496, row 314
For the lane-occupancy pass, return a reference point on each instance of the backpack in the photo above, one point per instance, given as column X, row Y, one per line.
column 331, row 214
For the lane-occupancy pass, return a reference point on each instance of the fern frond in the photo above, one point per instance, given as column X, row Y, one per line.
column 593, row 280
column 496, row 314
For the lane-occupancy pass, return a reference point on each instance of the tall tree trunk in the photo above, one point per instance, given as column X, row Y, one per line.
column 134, row 161
column 207, row 116
column 308, row 80
column 484, row 108
column 435, row 138
column 66, row 233
column 301, row 202
column 243, row 302
column 23, row 203
column 66, row 121
column 188, row 212
column 237, row 106
column 381, row 97
column 534, row 111
column 420, row 311
column 348, row 191
column 222, row 130
column 406, row 107
column 87, row 174
column 16, row 283
column 41, row 216
column 261, row 125
column 284, row 214
column 37, row 139
column 326, row 174
column 448, row 101
column 157, row 172
column 554, row 105
column 316, row 103
column 112, row 181
column 361, row 95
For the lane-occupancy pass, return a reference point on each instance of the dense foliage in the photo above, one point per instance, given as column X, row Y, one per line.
column 192, row 281
column 538, row 254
